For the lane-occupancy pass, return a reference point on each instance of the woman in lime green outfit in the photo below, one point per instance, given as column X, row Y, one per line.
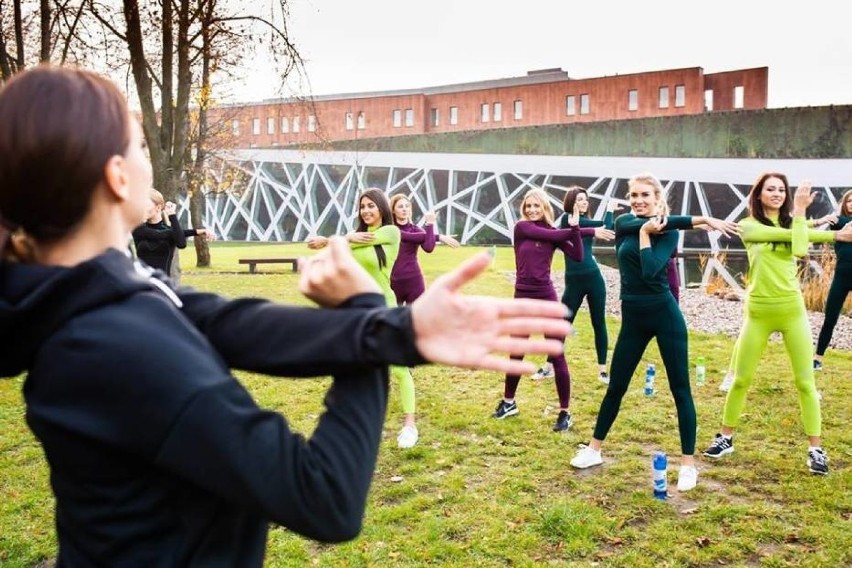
column 774, row 234
column 375, row 245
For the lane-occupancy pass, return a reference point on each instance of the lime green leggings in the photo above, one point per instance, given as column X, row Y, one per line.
column 762, row 317
column 406, row 387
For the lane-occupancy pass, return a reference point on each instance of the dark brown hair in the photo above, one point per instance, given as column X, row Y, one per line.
column 571, row 198
column 378, row 197
column 58, row 129
column 755, row 207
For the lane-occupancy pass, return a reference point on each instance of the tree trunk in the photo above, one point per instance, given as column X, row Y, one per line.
column 196, row 217
column 44, row 9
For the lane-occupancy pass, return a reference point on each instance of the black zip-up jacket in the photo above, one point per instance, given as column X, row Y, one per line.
column 158, row 456
column 156, row 242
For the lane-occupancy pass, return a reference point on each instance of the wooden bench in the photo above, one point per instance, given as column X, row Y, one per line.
column 253, row 262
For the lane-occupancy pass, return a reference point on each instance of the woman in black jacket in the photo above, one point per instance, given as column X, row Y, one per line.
column 156, row 240
column 158, row 456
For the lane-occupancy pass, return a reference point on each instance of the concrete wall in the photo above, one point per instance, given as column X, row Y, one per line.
column 807, row 132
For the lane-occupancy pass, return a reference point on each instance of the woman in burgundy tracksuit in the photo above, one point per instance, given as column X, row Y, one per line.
column 406, row 276
column 535, row 242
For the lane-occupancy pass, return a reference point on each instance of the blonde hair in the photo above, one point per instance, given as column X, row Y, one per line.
column 157, row 197
column 546, row 207
column 396, row 198
column 646, row 178
column 841, row 205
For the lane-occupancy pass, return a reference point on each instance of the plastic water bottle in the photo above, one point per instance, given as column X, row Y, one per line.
column 700, row 372
column 650, row 373
column 661, row 481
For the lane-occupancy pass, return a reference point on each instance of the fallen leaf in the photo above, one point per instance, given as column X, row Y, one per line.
column 397, row 478
column 702, row 541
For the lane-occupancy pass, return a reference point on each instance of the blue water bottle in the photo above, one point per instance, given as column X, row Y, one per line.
column 650, row 373
column 661, row 482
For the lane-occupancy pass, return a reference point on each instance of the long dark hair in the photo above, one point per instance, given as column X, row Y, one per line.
column 571, row 198
column 378, row 197
column 59, row 129
column 755, row 207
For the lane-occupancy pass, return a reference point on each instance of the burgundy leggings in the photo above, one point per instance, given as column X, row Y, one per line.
column 560, row 366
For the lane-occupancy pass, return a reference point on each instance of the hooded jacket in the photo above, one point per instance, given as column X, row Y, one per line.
column 158, row 456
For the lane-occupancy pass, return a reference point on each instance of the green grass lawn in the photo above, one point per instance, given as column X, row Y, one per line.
column 476, row 491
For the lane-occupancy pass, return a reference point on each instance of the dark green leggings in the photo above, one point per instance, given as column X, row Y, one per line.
column 589, row 285
column 841, row 286
column 641, row 320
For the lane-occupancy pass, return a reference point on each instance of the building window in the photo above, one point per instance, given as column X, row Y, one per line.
column 350, row 123
column 739, row 96
column 708, row 100
column 680, row 95
column 255, row 126
column 312, row 123
column 362, row 121
column 434, row 117
column 409, row 117
column 285, row 124
column 295, row 123
column 235, row 127
column 454, row 115
column 632, row 99
column 584, row 104
column 498, row 112
column 484, row 112
column 570, row 105
column 397, row 118
column 270, row 126
column 664, row 97
column 519, row 109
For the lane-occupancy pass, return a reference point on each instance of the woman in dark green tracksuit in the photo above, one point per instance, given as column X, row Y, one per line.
column 583, row 279
column 841, row 284
column 644, row 243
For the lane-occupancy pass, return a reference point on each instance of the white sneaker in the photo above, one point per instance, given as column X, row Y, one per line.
column 603, row 377
column 687, row 478
column 407, row 437
column 545, row 372
column 727, row 382
column 587, row 457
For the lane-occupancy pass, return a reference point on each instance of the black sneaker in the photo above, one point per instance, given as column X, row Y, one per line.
column 818, row 461
column 563, row 421
column 505, row 409
column 817, row 365
column 720, row 447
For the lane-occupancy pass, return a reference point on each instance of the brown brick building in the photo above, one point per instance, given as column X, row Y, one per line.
column 542, row 97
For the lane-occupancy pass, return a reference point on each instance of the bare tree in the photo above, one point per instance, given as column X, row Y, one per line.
column 176, row 49
column 44, row 31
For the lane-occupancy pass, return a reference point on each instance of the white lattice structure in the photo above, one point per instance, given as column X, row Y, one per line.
column 288, row 195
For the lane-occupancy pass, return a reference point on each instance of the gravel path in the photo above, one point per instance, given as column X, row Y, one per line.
column 710, row 314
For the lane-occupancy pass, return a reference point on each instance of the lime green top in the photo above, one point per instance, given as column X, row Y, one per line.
column 771, row 266
column 388, row 237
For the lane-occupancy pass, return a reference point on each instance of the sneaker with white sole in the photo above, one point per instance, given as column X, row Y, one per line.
column 727, row 382
column 603, row 377
column 687, row 478
column 817, row 365
column 722, row 445
column 818, row 461
column 545, row 372
column 563, row 421
column 407, row 437
column 587, row 457
column 505, row 409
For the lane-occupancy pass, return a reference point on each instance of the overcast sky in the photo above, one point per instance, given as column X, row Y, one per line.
column 369, row 45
